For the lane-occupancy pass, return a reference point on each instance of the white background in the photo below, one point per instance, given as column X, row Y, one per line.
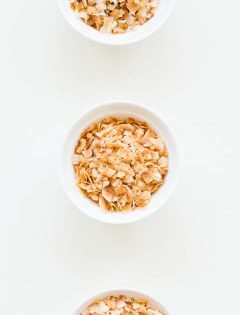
column 188, row 254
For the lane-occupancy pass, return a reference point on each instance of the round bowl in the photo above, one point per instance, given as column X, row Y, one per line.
column 121, row 109
column 162, row 12
column 127, row 292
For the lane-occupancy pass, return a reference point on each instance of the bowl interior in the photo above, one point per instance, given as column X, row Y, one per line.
column 131, row 293
column 161, row 14
column 121, row 110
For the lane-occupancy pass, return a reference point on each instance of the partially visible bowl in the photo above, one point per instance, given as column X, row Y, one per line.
column 127, row 292
column 121, row 109
column 162, row 12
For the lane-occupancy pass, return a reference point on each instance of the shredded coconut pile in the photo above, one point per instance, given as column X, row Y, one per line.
column 114, row 16
column 119, row 164
column 117, row 305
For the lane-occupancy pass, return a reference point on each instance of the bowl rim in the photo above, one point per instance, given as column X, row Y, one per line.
column 119, row 39
column 116, row 102
column 118, row 291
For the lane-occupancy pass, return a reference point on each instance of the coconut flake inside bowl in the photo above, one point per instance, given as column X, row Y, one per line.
column 114, row 16
column 121, row 305
column 119, row 164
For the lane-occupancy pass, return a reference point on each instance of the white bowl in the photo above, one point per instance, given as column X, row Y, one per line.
column 127, row 292
column 122, row 109
column 162, row 12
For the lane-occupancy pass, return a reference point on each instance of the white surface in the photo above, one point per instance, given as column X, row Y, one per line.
column 120, row 109
column 188, row 254
column 162, row 12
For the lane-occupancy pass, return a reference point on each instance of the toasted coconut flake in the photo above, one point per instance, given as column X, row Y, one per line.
column 94, row 196
column 121, row 164
column 120, row 303
column 103, row 204
column 157, row 177
column 81, row 146
column 114, row 17
column 107, row 24
column 122, row 153
column 163, row 162
column 87, row 153
column 107, row 193
column 121, row 174
column 147, row 177
column 110, row 305
column 129, row 195
column 143, row 199
column 159, row 144
column 76, row 159
column 121, row 190
column 133, row 6
column 109, row 172
column 116, row 183
column 95, row 173
column 100, row 308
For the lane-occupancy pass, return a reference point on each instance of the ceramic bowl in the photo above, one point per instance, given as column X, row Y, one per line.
column 120, row 109
column 162, row 12
column 127, row 292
